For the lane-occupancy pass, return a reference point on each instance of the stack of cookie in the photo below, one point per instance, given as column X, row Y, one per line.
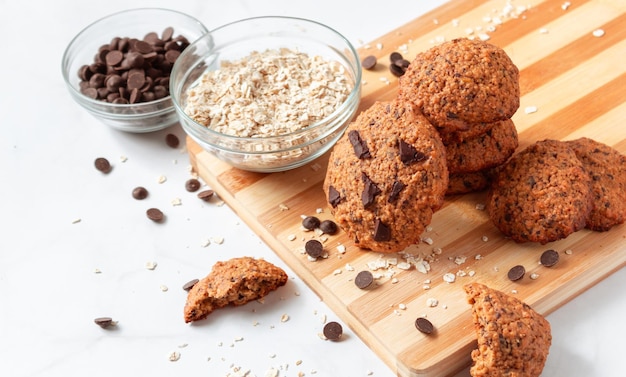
column 469, row 90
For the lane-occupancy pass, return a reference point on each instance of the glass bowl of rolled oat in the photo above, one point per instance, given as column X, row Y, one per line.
column 118, row 67
column 267, row 94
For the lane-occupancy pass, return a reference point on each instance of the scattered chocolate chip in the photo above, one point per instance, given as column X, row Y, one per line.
column 369, row 62
column 359, row 145
column 364, row 279
column 382, row 233
column 310, row 222
column 188, row 285
column 192, row 185
column 549, row 258
column 140, row 193
column 408, row 153
column 172, row 141
column 395, row 56
column 328, row 227
column 206, row 195
column 155, row 214
column 334, row 198
column 516, row 272
column 424, row 325
column 370, row 191
column 314, row 248
column 103, row 165
column 103, row 322
column 396, row 70
column 333, row 331
column 396, row 189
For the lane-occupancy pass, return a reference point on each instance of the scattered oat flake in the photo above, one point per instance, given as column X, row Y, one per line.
column 543, row 30
column 76, row 221
column 460, row 260
column 449, row 277
column 432, row 302
column 341, row 249
column 484, row 37
column 239, row 339
column 123, row 158
column 569, row 252
column 163, row 288
column 530, row 109
column 598, row 33
column 319, row 210
column 205, row 243
column 161, row 179
column 402, row 306
column 337, row 271
column 283, row 207
column 174, row 356
column 218, row 240
column 485, row 238
column 291, row 237
column 379, row 46
column 384, row 80
column 272, row 372
column 151, row 265
column 176, row 202
column 284, row 318
column 565, row 5
column 534, row 275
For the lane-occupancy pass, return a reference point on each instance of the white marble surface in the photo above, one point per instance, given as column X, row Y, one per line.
column 50, row 292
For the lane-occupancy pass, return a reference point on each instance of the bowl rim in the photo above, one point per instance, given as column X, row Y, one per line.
column 66, row 63
column 355, row 92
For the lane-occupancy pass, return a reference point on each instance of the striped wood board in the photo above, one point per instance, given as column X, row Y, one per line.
column 576, row 81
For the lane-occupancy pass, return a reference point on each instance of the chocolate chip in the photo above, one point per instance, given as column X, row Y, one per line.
column 310, row 222
column 359, row 145
column 424, row 325
column 206, row 195
column 370, row 191
column 334, row 198
column 172, row 141
column 188, row 285
column 408, row 153
column 396, row 70
column 192, row 185
column 395, row 56
column 140, row 193
column 103, row 322
column 382, row 233
column 103, row 165
column 516, row 272
column 314, row 248
column 369, row 62
column 364, row 279
column 396, row 189
column 155, row 214
column 549, row 258
column 328, row 227
column 140, row 63
column 333, row 331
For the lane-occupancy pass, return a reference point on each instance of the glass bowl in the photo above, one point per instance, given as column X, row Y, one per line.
column 238, row 40
column 135, row 23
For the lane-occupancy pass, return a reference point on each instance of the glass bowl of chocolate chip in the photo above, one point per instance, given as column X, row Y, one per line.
column 118, row 68
column 267, row 94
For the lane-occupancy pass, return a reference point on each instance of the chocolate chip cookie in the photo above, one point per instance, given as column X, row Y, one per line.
column 386, row 177
column 233, row 282
column 513, row 339
column 607, row 169
column 483, row 151
column 464, row 183
column 461, row 83
column 542, row 194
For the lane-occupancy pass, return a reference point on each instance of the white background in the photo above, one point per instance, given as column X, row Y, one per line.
column 49, row 291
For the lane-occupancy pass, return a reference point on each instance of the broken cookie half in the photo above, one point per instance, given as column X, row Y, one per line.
column 233, row 282
column 513, row 339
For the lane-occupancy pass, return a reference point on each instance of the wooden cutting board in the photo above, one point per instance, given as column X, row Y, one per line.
column 576, row 82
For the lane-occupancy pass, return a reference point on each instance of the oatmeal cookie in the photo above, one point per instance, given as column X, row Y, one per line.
column 449, row 136
column 484, row 151
column 607, row 169
column 542, row 194
column 513, row 339
column 462, row 82
column 386, row 177
column 464, row 183
column 233, row 282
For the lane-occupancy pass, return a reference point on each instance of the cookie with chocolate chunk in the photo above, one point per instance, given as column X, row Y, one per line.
column 542, row 194
column 462, row 82
column 233, row 282
column 607, row 169
column 483, row 151
column 513, row 339
column 386, row 177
